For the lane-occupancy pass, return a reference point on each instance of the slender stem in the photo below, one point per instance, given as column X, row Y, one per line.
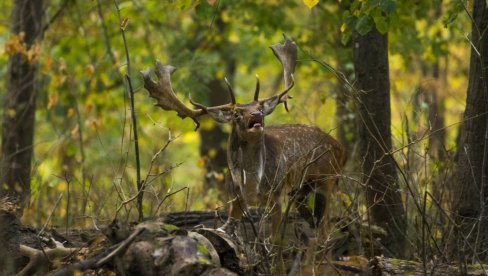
column 133, row 118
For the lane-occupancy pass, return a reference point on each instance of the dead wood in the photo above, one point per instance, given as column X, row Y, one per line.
column 155, row 247
column 390, row 266
column 41, row 260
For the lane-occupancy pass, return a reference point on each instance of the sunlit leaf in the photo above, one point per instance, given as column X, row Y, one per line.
column 310, row 3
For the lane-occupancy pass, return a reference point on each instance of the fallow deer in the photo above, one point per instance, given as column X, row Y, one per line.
column 264, row 161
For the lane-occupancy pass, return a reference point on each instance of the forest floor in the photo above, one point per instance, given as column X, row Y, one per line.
column 189, row 243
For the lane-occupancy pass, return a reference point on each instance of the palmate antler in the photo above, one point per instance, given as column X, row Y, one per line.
column 287, row 55
column 162, row 90
column 166, row 98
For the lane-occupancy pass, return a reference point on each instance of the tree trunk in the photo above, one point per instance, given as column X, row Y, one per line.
column 9, row 237
column 20, row 103
column 470, row 187
column 370, row 54
column 213, row 139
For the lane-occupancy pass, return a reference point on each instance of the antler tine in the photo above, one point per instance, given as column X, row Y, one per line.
column 256, row 92
column 231, row 91
column 287, row 55
column 163, row 92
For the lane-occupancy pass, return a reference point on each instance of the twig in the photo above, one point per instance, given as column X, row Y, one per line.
column 50, row 215
column 122, row 247
column 146, row 181
column 55, row 16
column 130, row 91
column 168, row 195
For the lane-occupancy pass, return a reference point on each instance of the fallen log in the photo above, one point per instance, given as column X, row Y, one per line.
column 155, row 247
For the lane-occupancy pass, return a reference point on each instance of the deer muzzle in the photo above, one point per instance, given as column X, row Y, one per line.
column 256, row 122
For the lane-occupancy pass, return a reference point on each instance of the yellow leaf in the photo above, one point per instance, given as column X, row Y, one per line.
column 225, row 16
column 46, row 66
column 201, row 163
column 220, row 74
column 211, row 2
column 345, row 198
column 233, row 38
column 61, row 186
column 70, row 113
column 343, row 27
column 310, row 3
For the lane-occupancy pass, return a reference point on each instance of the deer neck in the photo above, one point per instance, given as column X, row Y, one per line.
column 246, row 158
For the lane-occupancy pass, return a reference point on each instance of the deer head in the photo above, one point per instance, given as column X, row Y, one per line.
column 246, row 119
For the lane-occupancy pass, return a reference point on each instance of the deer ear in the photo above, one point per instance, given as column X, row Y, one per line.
column 221, row 115
column 270, row 104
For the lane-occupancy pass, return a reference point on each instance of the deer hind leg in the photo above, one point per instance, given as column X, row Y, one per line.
column 323, row 200
column 322, row 192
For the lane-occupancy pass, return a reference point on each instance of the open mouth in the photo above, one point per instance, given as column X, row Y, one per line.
column 256, row 123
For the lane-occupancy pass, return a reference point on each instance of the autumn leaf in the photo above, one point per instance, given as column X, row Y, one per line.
column 89, row 70
column 47, row 64
column 211, row 2
column 310, row 3
column 33, row 53
column 75, row 130
column 15, row 45
column 53, row 100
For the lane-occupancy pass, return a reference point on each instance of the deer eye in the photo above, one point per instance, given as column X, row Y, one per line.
column 237, row 116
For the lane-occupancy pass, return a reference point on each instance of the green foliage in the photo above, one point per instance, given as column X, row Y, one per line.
column 83, row 127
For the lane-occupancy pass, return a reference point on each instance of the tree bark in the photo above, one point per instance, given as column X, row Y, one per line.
column 20, row 103
column 370, row 54
column 470, row 187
